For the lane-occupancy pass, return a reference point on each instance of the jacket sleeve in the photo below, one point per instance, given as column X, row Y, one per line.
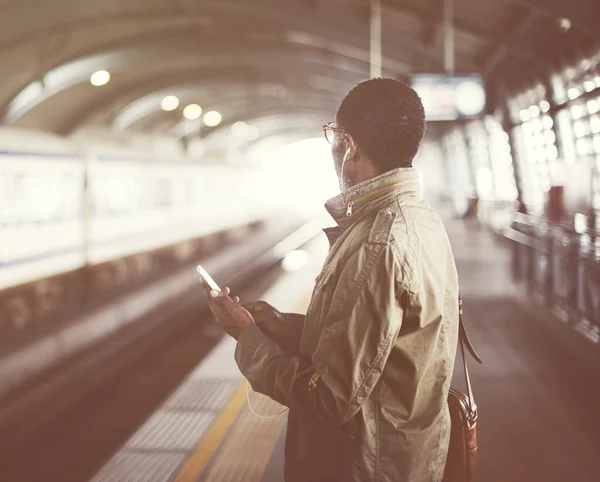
column 285, row 333
column 356, row 339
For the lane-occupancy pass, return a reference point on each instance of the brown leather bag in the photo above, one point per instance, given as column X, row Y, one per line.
column 462, row 453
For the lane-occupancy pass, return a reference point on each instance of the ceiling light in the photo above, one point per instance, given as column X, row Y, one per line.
column 294, row 260
column 239, row 129
column 252, row 133
column 212, row 118
column 192, row 111
column 102, row 77
column 169, row 103
column 565, row 24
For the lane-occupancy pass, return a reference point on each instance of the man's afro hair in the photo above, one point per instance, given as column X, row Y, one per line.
column 386, row 118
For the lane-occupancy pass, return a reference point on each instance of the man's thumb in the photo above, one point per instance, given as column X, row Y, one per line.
column 263, row 306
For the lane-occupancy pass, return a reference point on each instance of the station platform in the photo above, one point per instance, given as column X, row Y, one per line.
column 537, row 391
column 205, row 430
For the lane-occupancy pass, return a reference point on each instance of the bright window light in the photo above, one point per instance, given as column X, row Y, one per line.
column 524, row 115
column 169, row 103
column 547, row 122
column 239, row 129
column 100, row 78
column 595, row 124
column 579, row 129
column 583, row 147
column 585, row 64
column 549, row 137
column 485, row 182
column 576, row 112
column 570, row 73
column 581, row 222
column 551, row 152
column 589, row 85
column 537, row 125
column 192, row 111
column 573, row 93
column 212, row 118
column 539, row 140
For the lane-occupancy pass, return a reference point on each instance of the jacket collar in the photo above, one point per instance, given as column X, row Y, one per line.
column 373, row 193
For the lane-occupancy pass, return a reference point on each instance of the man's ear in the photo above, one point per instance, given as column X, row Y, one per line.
column 350, row 144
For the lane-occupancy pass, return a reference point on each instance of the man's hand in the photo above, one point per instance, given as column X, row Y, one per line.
column 265, row 315
column 276, row 325
column 234, row 318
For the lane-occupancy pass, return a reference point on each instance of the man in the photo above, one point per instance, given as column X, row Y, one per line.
column 366, row 372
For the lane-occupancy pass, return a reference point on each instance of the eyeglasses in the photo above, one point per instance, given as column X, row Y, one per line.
column 328, row 131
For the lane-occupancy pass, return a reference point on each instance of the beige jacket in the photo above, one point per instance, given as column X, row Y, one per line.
column 367, row 388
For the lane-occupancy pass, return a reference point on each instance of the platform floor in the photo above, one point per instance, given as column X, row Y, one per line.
column 538, row 394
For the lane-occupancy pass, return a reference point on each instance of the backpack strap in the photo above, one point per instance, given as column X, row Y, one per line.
column 463, row 341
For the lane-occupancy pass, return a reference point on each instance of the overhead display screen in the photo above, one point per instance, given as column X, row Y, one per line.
column 450, row 97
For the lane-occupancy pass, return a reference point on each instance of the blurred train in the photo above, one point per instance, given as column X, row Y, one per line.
column 65, row 203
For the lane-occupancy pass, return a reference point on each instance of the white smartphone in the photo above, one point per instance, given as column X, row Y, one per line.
column 206, row 277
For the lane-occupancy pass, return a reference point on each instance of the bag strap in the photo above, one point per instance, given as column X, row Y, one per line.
column 463, row 340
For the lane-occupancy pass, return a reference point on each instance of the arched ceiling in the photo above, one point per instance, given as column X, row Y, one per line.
column 251, row 60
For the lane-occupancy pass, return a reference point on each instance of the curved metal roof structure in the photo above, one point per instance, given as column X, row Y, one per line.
column 254, row 59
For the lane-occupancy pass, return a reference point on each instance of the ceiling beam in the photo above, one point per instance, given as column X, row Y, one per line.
column 583, row 14
column 287, row 72
column 76, row 73
column 461, row 25
column 431, row 32
column 501, row 51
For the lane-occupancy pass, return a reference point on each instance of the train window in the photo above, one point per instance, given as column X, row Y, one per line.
column 118, row 193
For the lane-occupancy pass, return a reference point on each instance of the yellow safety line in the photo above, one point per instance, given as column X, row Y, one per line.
column 213, row 438
column 236, row 456
column 211, row 441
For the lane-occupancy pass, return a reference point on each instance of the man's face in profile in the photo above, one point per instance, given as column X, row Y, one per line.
column 338, row 149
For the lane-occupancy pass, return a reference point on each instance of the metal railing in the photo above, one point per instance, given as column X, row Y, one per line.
column 561, row 268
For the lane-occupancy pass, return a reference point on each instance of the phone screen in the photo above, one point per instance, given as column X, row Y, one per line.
column 211, row 282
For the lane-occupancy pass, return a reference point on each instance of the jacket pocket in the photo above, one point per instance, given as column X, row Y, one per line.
column 394, row 415
column 323, row 278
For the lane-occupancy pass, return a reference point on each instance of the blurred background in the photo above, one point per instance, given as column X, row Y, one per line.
column 140, row 138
